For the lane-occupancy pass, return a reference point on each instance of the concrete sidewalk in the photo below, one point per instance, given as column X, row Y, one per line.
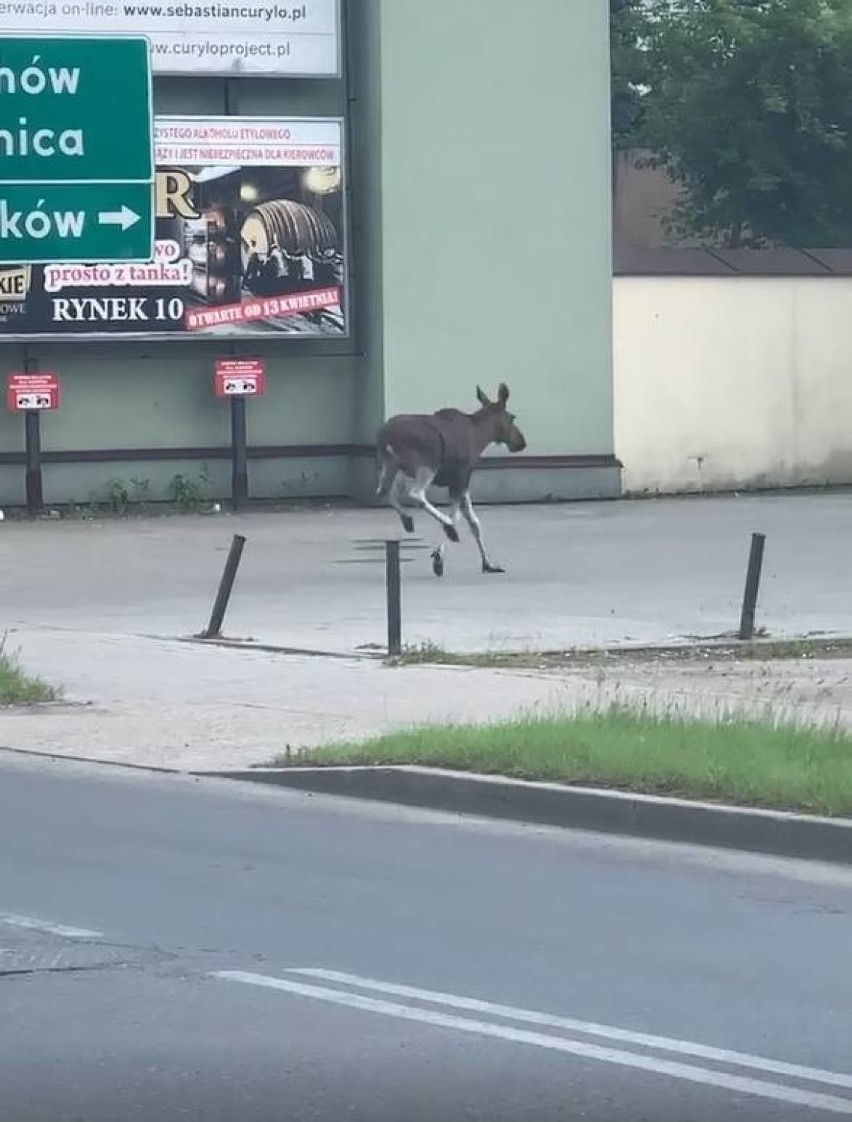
column 171, row 704
column 164, row 703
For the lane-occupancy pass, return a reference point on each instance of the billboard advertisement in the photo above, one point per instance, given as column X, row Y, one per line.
column 249, row 242
column 200, row 37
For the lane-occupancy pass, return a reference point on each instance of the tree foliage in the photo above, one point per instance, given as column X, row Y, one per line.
column 748, row 103
column 628, row 69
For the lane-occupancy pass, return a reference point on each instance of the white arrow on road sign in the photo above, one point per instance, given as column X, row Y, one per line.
column 125, row 218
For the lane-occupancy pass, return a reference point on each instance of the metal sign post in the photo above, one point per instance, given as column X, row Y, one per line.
column 237, row 379
column 32, row 394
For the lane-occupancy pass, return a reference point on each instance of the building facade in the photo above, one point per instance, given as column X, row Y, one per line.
column 386, row 202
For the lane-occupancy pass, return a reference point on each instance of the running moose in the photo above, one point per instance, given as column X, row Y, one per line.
column 419, row 450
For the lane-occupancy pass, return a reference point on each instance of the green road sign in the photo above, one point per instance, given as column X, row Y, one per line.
column 76, row 143
column 101, row 222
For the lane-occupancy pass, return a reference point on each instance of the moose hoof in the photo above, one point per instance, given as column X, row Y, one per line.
column 452, row 533
column 408, row 523
column 437, row 563
column 493, row 569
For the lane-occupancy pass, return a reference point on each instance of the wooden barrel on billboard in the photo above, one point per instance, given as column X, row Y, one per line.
column 294, row 227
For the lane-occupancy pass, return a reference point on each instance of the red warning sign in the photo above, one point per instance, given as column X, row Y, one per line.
column 239, row 377
column 32, row 391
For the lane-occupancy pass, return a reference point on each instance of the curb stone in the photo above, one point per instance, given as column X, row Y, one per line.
column 778, row 833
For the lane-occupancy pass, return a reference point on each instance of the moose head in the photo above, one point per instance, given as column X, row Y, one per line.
column 505, row 430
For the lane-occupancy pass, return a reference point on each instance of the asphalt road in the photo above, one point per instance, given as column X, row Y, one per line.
column 181, row 949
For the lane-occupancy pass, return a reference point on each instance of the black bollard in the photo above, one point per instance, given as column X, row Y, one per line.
column 239, row 453
column 226, row 585
column 392, row 580
column 752, row 586
column 33, row 481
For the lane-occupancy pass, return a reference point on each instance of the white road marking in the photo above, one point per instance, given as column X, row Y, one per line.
column 62, row 929
column 588, row 1028
column 743, row 1084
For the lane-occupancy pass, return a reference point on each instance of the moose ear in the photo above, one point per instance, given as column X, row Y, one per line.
column 482, row 397
column 503, row 393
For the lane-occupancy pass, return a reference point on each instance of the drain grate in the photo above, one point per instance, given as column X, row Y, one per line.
column 49, row 960
column 376, row 547
column 370, row 561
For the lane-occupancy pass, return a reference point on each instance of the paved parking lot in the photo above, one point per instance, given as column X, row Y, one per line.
column 580, row 573
column 101, row 608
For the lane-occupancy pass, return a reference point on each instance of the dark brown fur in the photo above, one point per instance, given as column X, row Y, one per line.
column 442, row 449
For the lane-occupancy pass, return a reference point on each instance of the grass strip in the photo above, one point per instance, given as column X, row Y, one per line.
column 696, row 650
column 743, row 760
column 18, row 688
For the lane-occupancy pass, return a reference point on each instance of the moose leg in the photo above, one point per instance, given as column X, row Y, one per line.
column 418, row 493
column 438, row 551
column 395, row 496
column 476, row 530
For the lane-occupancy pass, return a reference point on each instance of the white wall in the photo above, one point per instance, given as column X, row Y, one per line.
column 732, row 382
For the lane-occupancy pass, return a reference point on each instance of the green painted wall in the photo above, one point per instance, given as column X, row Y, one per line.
column 496, row 211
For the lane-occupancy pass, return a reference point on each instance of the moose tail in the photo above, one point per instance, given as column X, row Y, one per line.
column 385, row 457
